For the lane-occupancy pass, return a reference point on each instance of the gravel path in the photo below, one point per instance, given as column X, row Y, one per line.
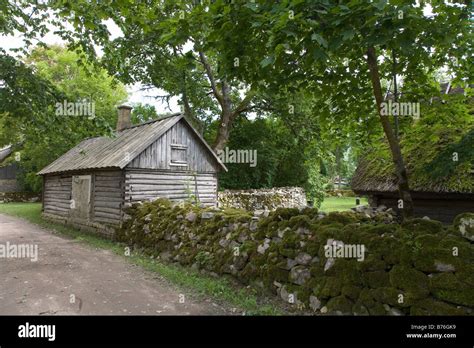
column 71, row 278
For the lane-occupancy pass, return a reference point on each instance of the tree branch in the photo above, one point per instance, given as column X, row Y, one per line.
column 211, row 78
column 243, row 105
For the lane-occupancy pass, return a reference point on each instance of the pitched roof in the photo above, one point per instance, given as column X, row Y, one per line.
column 117, row 152
column 428, row 146
column 365, row 180
column 5, row 152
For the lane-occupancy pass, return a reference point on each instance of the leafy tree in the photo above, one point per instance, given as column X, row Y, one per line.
column 143, row 112
column 24, row 99
column 32, row 96
column 27, row 18
column 292, row 151
column 344, row 50
column 167, row 45
column 251, row 135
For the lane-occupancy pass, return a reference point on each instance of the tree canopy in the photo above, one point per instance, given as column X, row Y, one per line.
column 344, row 51
column 312, row 73
column 31, row 110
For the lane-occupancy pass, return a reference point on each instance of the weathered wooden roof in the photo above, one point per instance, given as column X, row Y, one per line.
column 117, row 152
column 5, row 152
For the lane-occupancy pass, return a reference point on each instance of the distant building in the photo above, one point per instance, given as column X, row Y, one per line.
column 8, row 172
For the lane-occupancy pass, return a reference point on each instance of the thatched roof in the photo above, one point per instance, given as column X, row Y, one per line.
column 368, row 179
column 428, row 146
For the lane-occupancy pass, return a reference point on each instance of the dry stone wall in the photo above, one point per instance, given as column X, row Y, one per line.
column 340, row 263
column 263, row 199
column 340, row 193
column 6, row 197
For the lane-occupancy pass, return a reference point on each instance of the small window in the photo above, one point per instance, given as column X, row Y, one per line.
column 179, row 155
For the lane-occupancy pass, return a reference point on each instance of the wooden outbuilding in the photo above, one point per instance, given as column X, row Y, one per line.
column 438, row 152
column 91, row 184
column 8, row 172
column 436, row 203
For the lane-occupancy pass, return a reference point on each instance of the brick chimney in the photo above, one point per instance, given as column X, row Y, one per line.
column 124, row 117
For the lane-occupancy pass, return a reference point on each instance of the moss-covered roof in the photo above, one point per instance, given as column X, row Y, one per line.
column 438, row 150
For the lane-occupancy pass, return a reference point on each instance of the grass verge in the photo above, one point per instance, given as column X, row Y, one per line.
column 340, row 203
column 221, row 289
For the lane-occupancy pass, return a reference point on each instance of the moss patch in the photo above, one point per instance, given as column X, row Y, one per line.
column 410, row 280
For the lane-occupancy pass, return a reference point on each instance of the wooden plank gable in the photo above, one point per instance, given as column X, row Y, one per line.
column 178, row 149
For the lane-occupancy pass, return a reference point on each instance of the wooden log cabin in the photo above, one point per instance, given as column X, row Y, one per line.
column 91, row 184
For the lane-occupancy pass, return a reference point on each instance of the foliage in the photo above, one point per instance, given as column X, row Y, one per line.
column 315, row 184
column 234, row 58
column 343, row 51
column 143, row 113
column 284, row 158
column 29, row 109
column 29, row 19
column 161, row 46
column 327, row 40
column 438, row 148
column 24, row 98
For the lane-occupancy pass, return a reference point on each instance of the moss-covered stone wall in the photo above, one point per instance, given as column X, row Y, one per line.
column 263, row 199
column 339, row 193
column 340, row 263
column 6, row 197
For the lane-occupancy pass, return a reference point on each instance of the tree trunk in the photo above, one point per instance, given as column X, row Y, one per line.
column 228, row 115
column 222, row 133
column 226, row 120
column 188, row 112
column 338, row 166
column 403, row 187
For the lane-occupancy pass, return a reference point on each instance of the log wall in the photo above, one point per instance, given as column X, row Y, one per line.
column 107, row 197
column 57, row 194
column 105, row 202
column 144, row 185
column 444, row 210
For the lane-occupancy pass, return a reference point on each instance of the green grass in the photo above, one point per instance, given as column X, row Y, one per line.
column 221, row 289
column 28, row 211
column 340, row 203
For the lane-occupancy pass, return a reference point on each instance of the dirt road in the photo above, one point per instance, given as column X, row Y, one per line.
column 73, row 278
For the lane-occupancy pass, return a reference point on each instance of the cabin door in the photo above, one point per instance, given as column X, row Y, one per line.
column 81, row 196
